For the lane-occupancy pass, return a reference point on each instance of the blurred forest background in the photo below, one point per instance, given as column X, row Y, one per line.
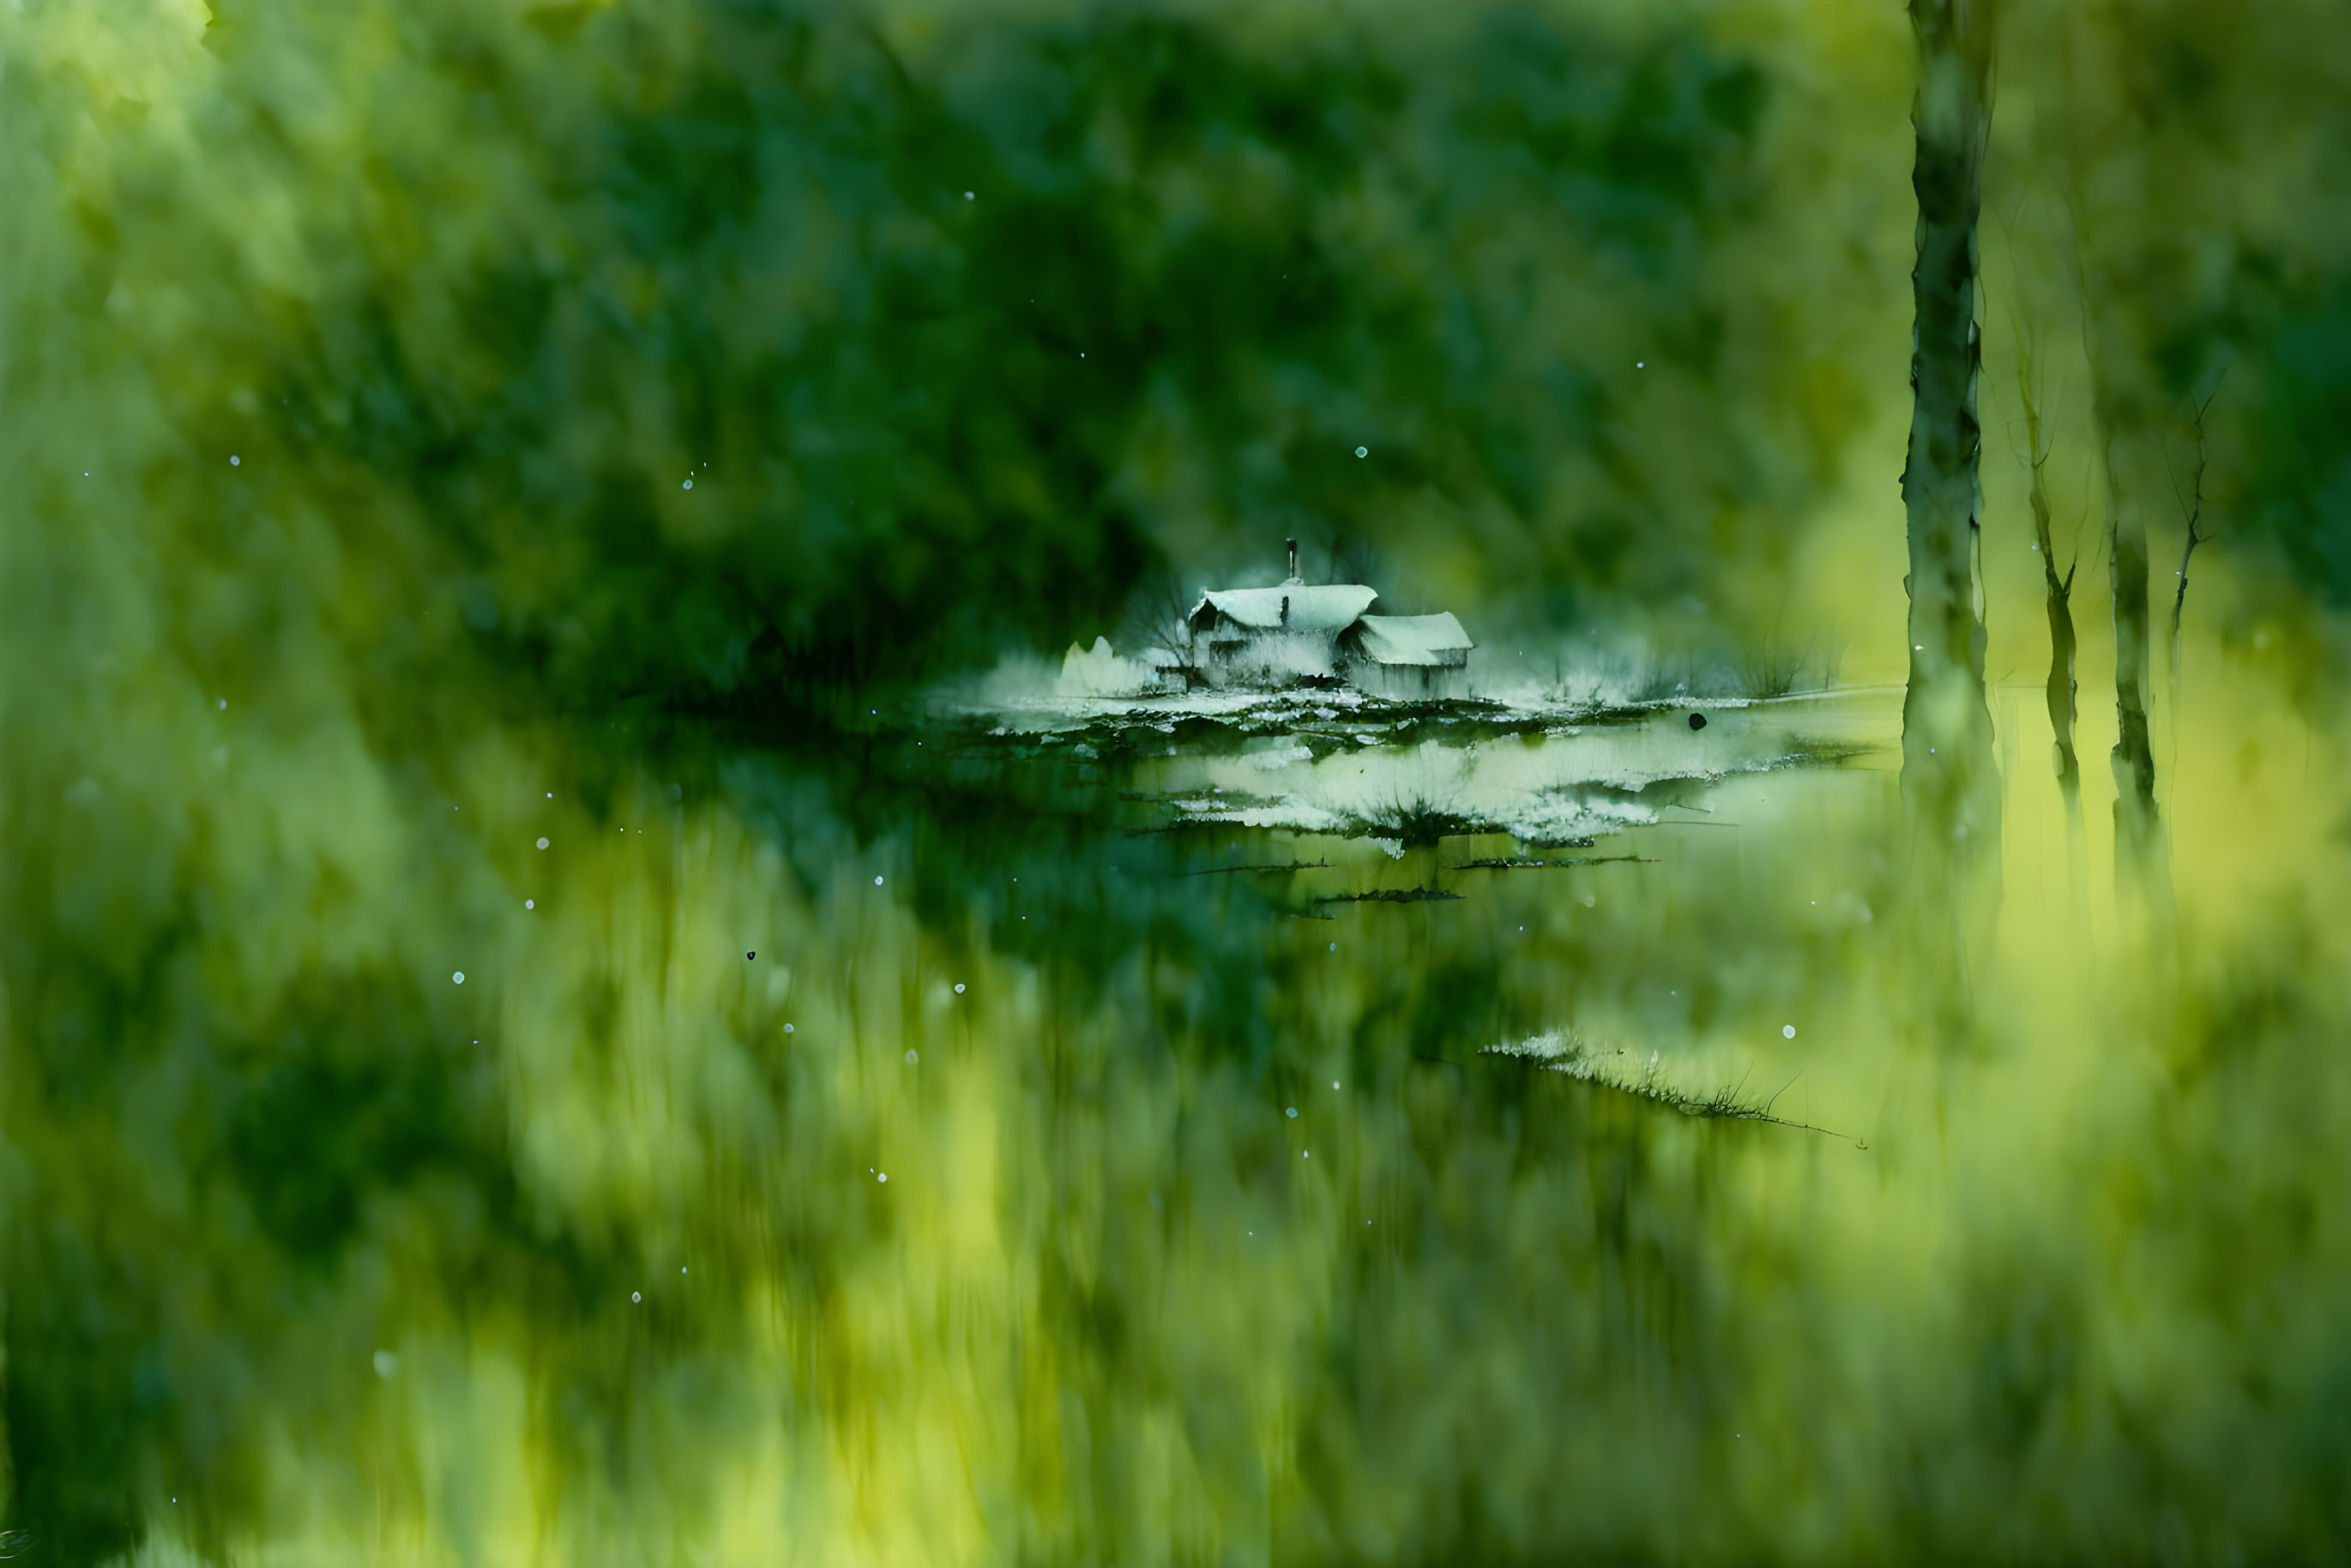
column 963, row 322
column 397, row 393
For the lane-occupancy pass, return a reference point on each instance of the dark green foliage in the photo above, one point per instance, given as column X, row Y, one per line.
column 74, row 1416
column 2300, row 494
column 349, row 1094
column 908, row 318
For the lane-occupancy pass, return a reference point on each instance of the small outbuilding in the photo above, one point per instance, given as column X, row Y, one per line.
column 1411, row 658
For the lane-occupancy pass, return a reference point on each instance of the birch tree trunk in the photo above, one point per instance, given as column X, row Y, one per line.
column 1949, row 773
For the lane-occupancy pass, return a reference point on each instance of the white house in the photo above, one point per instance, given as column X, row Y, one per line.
column 1274, row 636
column 1325, row 634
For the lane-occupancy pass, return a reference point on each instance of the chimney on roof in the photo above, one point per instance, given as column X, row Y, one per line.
column 1293, row 559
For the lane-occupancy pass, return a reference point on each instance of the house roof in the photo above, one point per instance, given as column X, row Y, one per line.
column 1412, row 639
column 1313, row 607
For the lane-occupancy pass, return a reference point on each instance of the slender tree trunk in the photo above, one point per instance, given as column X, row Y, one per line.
column 2180, row 609
column 1949, row 771
column 2142, row 870
column 2196, row 536
column 2133, row 758
column 2064, row 687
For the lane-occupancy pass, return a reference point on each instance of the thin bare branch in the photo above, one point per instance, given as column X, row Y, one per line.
column 2192, row 506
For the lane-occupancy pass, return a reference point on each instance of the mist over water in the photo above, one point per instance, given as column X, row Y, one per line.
column 547, row 1015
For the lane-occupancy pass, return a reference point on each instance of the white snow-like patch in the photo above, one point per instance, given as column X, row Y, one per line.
column 1556, row 818
column 1334, row 761
column 1298, row 816
column 1100, row 672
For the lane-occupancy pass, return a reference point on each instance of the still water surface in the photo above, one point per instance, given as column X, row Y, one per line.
column 1006, row 1137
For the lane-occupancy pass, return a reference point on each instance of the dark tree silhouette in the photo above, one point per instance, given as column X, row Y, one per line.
column 1155, row 618
column 2137, row 821
column 2192, row 506
column 2064, row 687
column 1948, row 768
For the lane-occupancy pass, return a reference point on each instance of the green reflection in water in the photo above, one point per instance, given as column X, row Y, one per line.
column 593, row 1255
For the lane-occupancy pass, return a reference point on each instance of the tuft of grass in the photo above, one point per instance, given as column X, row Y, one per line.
column 1675, row 678
column 1418, row 821
column 1609, row 1067
column 1778, row 668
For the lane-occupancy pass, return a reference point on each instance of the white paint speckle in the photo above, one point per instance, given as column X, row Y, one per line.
column 387, row 1366
column 1290, row 1112
column 1787, row 1031
column 689, row 484
column 958, row 988
column 877, row 881
column 788, row 1029
column 636, row 1296
column 968, row 196
column 911, row 1056
column 221, row 704
column 882, row 1175
column 1363, row 452
column 233, row 462
column 531, row 903
column 542, row 844
column 458, row 979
